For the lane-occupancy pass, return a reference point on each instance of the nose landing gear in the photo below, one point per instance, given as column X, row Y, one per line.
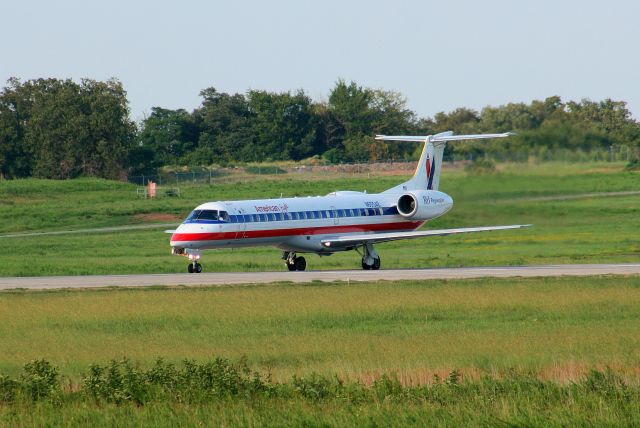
column 192, row 255
column 194, row 267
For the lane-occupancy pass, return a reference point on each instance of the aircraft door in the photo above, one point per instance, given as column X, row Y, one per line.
column 241, row 229
column 334, row 213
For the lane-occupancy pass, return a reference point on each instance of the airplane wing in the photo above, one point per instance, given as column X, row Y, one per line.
column 393, row 236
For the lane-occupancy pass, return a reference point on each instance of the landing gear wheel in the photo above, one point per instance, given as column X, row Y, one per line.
column 301, row 263
column 194, row 268
column 374, row 266
column 291, row 266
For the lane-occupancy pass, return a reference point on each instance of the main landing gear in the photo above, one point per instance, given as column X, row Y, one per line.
column 370, row 259
column 293, row 262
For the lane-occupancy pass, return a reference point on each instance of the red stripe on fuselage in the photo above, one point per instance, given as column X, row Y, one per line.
column 270, row 233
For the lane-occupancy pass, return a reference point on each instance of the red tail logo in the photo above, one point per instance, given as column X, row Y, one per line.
column 428, row 166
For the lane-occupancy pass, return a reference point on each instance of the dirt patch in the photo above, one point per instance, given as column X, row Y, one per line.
column 157, row 217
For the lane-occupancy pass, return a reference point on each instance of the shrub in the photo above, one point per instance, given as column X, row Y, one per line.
column 8, row 389
column 117, row 382
column 39, row 380
column 317, row 387
column 386, row 388
column 607, row 384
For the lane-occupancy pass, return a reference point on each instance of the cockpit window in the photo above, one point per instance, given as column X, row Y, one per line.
column 194, row 215
column 208, row 215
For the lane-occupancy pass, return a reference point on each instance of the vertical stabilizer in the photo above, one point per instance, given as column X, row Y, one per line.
column 427, row 175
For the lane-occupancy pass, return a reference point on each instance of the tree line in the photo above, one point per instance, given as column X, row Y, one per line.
column 54, row 128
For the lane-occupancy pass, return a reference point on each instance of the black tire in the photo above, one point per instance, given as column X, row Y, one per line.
column 301, row 263
column 376, row 264
column 190, row 268
column 365, row 266
column 198, row 268
column 291, row 266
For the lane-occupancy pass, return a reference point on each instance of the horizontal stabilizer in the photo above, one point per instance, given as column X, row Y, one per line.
column 393, row 236
column 444, row 137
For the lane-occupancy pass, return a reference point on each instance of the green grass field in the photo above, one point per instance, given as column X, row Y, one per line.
column 583, row 230
column 557, row 327
column 524, row 349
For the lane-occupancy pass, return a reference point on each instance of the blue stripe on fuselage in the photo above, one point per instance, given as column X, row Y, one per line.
column 316, row 215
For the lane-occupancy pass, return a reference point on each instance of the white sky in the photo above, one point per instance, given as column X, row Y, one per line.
column 440, row 55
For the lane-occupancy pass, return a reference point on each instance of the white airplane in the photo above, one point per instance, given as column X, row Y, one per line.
column 339, row 221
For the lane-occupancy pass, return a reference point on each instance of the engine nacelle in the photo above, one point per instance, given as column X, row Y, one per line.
column 424, row 204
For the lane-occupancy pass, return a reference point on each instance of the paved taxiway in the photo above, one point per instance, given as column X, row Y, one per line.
column 229, row 278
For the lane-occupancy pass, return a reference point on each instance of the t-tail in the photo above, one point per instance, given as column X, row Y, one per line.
column 427, row 175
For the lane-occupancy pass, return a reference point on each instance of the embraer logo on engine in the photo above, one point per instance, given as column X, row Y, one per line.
column 427, row 200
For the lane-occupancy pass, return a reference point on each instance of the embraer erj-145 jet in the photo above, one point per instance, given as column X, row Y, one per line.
column 339, row 221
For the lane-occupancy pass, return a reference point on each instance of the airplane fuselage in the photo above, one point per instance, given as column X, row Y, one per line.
column 300, row 224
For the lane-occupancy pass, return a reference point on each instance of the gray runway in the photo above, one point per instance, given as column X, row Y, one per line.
column 230, row 278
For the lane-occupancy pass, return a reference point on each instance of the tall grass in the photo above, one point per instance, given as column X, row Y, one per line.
column 232, row 394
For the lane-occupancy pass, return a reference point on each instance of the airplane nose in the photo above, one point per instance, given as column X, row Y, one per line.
column 175, row 236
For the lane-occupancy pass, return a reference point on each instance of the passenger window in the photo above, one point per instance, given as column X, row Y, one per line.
column 380, row 212
column 263, row 217
column 342, row 213
column 272, row 217
column 294, row 216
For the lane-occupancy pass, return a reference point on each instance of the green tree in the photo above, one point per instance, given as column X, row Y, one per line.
column 360, row 113
column 283, row 125
column 169, row 135
column 55, row 128
column 14, row 161
column 225, row 127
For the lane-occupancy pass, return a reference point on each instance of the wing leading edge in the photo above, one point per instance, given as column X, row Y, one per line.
column 373, row 238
